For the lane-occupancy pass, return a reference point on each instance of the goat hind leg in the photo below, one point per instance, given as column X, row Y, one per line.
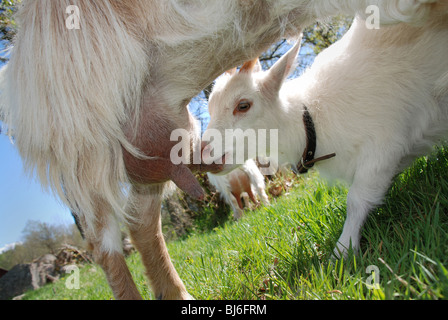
column 104, row 240
column 147, row 237
column 118, row 276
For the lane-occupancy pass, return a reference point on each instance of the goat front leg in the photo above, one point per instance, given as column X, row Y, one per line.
column 357, row 212
column 237, row 205
column 147, row 237
column 367, row 191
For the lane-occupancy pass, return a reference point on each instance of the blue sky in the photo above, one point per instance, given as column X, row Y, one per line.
column 22, row 198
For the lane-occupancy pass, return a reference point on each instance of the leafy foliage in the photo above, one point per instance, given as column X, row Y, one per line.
column 321, row 35
column 7, row 22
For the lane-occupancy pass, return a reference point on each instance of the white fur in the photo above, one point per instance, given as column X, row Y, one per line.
column 223, row 184
column 111, row 241
column 378, row 99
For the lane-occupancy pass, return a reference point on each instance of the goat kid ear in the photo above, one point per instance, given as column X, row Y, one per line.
column 257, row 67
column 281, row 69
column 251, row 66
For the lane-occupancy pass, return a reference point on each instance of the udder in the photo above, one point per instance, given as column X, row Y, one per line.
column 151, row 135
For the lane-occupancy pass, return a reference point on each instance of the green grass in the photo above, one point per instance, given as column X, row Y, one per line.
column 284, row 251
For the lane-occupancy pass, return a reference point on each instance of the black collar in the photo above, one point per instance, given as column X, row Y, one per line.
column 307, row 161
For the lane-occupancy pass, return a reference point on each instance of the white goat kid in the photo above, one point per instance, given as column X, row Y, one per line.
column 92, row 109
column 243, row 182
column 378, row 99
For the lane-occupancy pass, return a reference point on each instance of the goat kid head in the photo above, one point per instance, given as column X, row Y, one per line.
column 244, row 108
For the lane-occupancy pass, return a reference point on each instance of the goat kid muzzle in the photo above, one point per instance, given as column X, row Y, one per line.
column 207, row 158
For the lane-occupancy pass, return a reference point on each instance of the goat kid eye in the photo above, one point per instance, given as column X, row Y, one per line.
column 242, row 107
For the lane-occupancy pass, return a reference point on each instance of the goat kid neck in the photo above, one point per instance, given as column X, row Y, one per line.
column 292, row 132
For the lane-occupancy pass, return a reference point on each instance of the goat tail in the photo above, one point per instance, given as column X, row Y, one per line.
column 69, row 91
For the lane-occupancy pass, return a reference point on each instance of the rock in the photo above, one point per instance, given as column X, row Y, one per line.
column 3, row 272
column 31, row 276
column 17, row 281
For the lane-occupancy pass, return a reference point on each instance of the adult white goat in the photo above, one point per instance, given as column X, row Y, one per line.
column 243, row 182
column 94, row 89
column 377, row 98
